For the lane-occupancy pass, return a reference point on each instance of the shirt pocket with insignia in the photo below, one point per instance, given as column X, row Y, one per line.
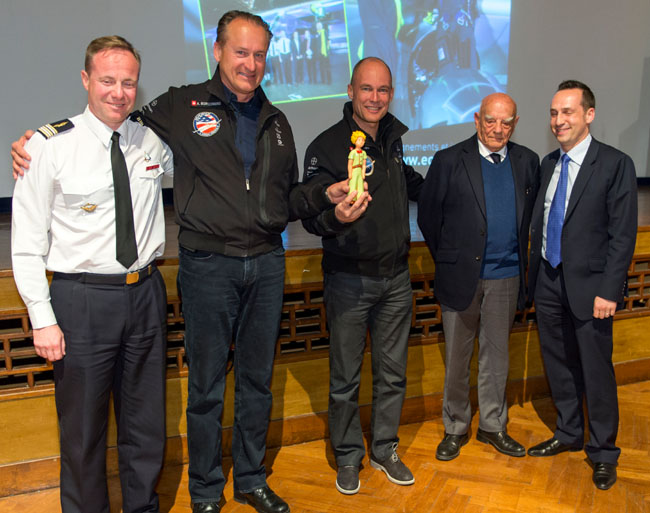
column 86, row 198
column 149, row 180
column 150, row 170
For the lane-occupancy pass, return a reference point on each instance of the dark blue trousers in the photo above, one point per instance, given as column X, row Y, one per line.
column 229, row 299
column 115, row 339
column 578, row 360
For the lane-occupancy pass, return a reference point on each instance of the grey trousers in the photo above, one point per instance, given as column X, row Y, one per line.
column 490, row 316
column 356, row 304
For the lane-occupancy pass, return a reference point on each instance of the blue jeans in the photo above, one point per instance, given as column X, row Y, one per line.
column 229, row 299
column 356, row 304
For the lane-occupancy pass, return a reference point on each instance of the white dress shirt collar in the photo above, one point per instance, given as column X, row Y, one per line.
column 101, row 130
column 579, row 151
column 485, row 152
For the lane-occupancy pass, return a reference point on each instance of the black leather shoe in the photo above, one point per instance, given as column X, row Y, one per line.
column 206, row 507
column 604, row 475
column 450, row 446
column 263, row 499
column 502, row 442
column 551, row 447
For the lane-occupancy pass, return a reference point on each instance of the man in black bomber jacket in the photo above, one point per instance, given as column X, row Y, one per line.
column 235, row 189
column 367, row 283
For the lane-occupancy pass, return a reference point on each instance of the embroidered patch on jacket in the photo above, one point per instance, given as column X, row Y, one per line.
column 197, row 103
column 206, row 124
column 52, row 129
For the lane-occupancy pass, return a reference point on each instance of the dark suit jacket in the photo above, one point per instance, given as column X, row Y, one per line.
column 452, row 217
column 599, row 230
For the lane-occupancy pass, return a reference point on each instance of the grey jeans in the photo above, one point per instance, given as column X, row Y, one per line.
column 354, row 305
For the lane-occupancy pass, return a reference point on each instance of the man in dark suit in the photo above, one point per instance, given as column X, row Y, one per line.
column 583, row 233
column 298, row 57
column 474, row 212
column 322, row 50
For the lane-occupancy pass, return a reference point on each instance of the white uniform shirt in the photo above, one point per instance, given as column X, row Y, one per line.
column 577, row 154
column 64, row 206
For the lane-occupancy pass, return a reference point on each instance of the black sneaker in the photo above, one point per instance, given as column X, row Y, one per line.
column 394, row 468
column 347, row 479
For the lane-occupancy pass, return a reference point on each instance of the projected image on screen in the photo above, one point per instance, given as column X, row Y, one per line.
column 446, row 55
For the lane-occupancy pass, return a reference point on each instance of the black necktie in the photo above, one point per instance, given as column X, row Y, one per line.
column 496, row 158
column 126, row 247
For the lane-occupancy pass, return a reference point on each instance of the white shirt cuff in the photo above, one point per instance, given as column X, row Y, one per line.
column 41, row 315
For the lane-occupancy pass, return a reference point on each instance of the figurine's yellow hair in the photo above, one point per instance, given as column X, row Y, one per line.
column 356, row 134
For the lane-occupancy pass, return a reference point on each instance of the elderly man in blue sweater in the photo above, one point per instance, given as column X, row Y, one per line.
column 474, row 212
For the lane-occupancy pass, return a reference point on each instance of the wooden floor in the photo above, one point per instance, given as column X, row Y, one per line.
column 479, row 480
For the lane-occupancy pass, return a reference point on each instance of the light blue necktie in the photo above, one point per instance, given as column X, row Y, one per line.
column 556, row 216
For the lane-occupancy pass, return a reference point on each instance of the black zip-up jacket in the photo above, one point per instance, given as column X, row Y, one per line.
column 217, row 208
column 377, row 244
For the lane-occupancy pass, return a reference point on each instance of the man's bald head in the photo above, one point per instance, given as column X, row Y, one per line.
column 371, row 91
column 364, row 62
column 496, row 120
column 503, row 98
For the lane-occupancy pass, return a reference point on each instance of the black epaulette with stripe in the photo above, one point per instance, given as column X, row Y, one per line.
column 52, row 129
column 136, row 118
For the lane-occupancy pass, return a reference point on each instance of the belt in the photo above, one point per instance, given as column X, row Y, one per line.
column 110, row 279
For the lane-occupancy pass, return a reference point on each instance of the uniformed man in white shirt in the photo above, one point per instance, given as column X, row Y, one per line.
column 91, row 211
